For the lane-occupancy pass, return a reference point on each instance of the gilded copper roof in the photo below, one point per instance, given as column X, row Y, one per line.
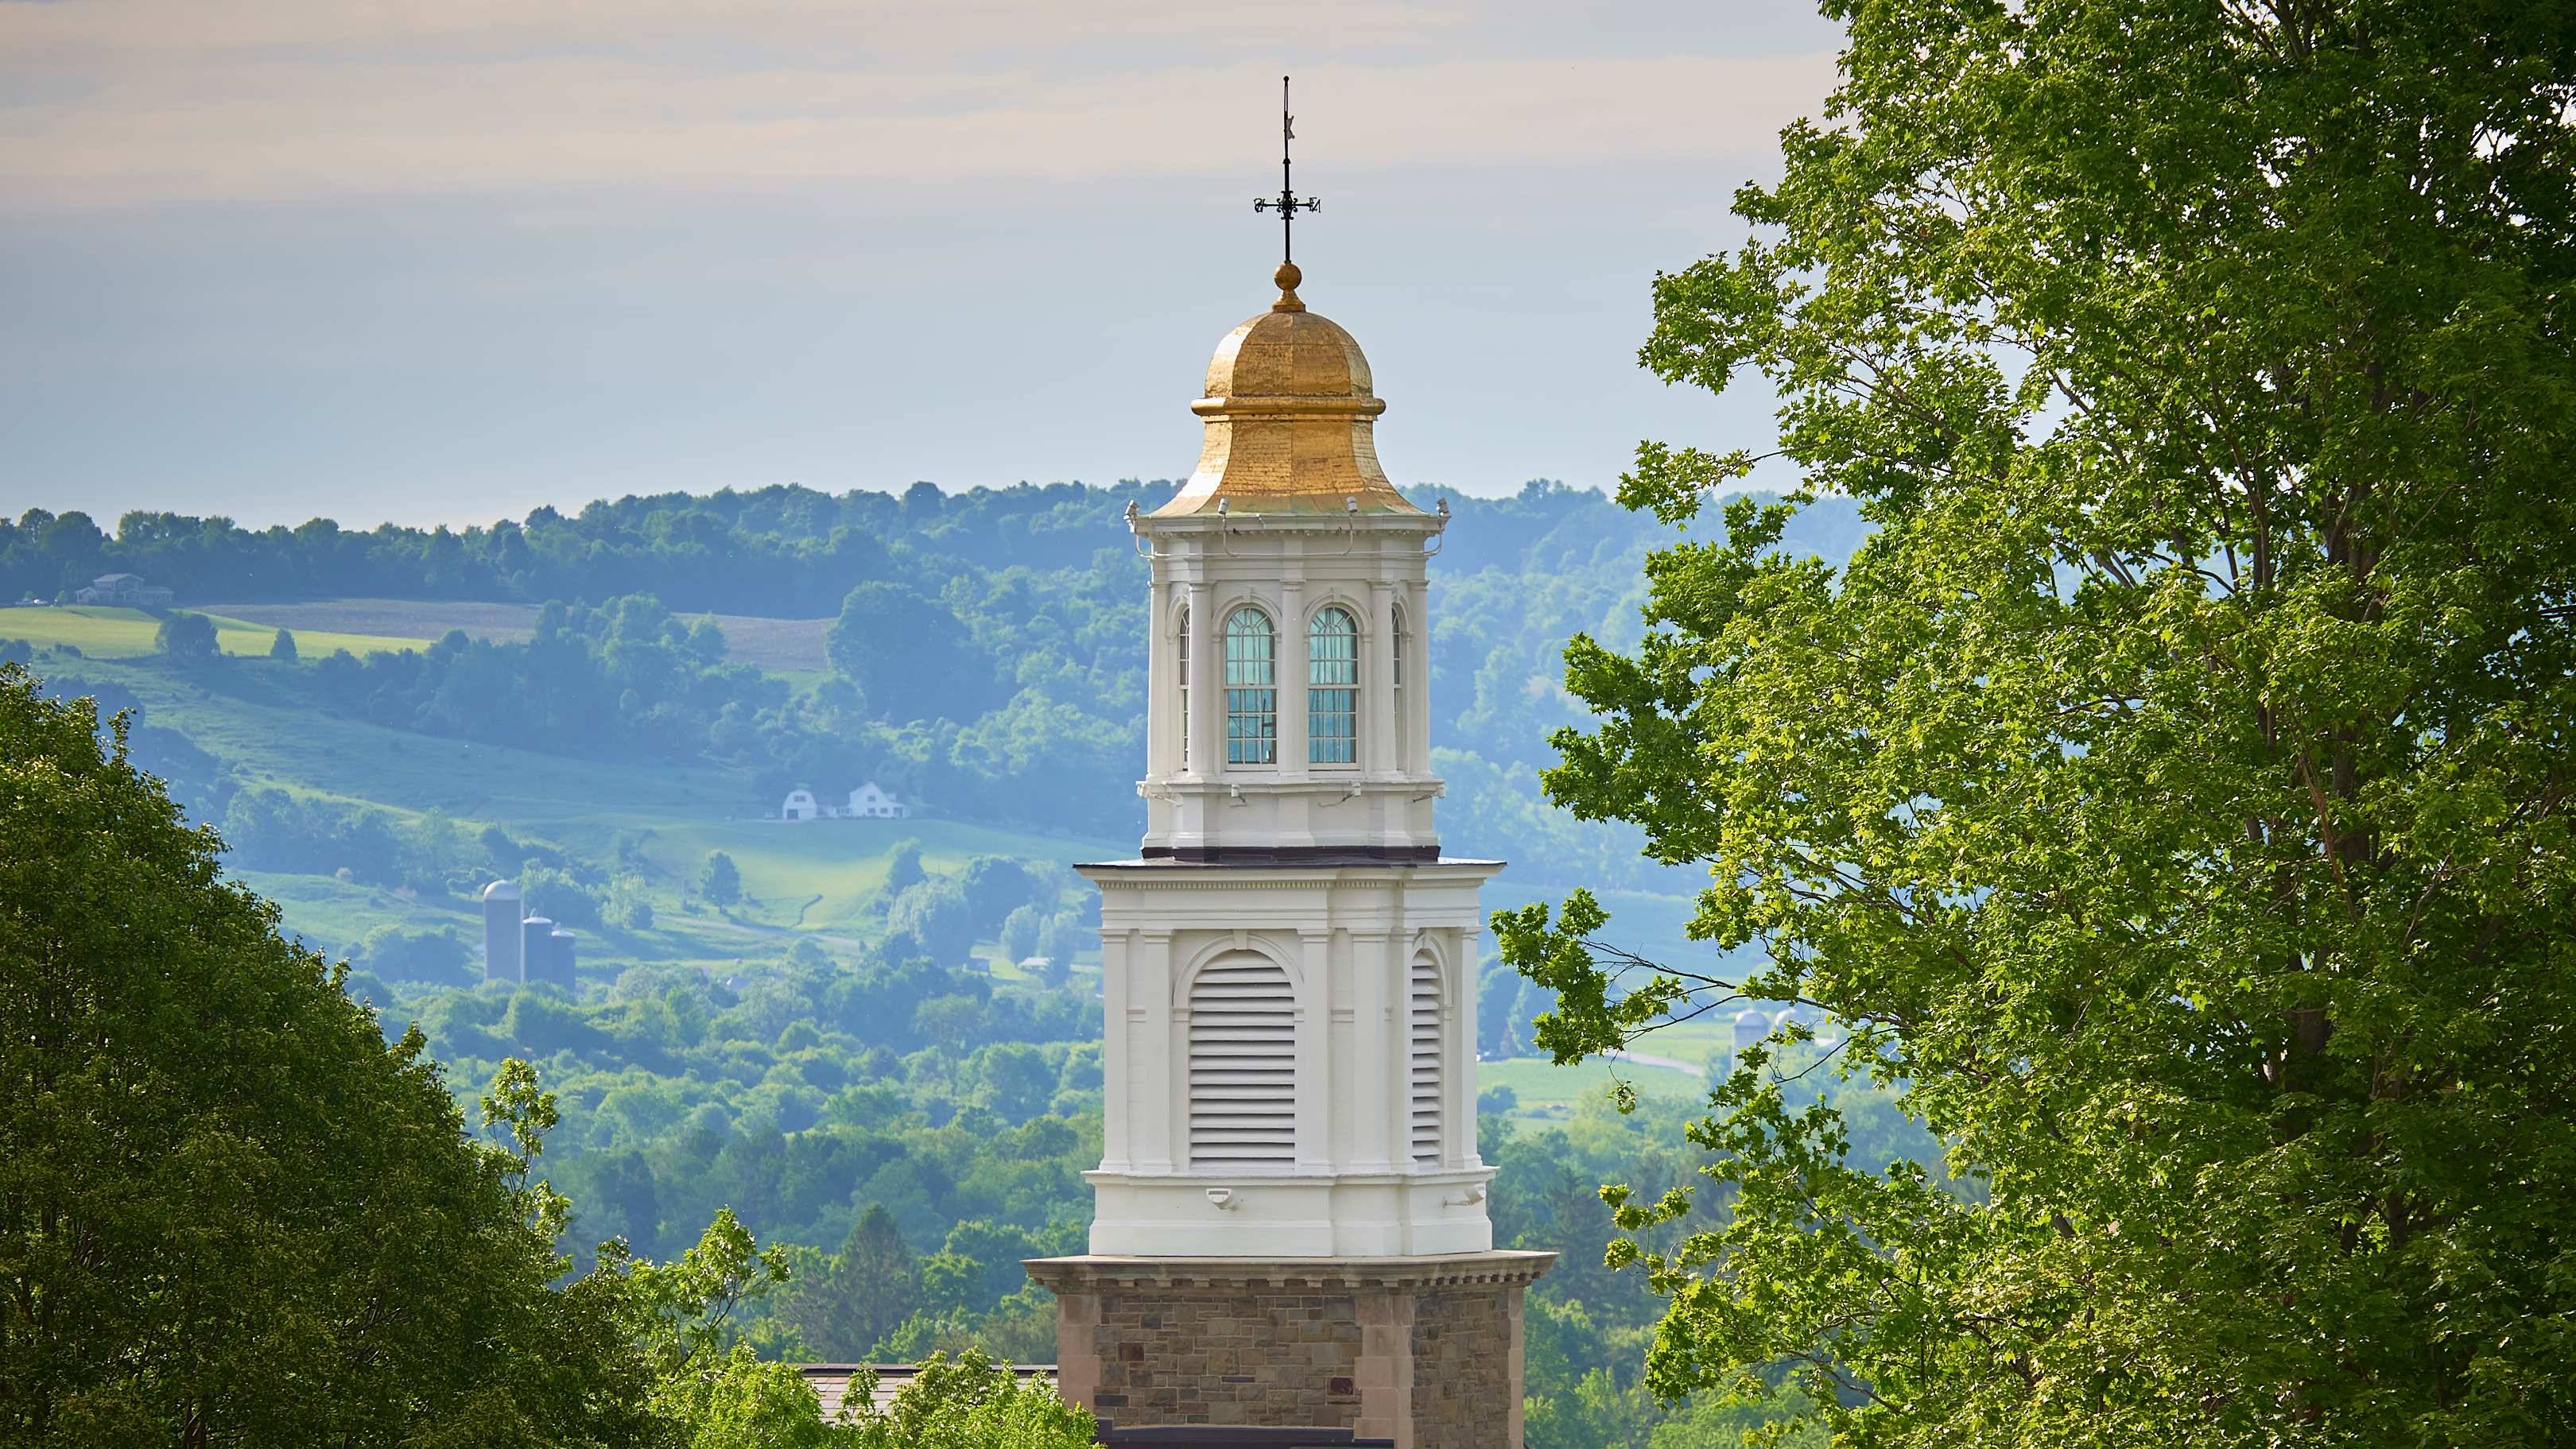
column 1289, row 415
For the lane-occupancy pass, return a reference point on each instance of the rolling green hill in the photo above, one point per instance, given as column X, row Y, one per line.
column 817, row 878
column 105, row 633
column 821, row 881
column 786, row 646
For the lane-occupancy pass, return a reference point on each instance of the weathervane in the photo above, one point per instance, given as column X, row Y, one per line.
column 1288, row 203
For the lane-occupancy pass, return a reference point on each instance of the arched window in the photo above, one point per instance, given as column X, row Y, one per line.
column 1424, row 1019
column 1332, row 689
column 1181, row 656
column 1251, row 689
column 1243, row 1065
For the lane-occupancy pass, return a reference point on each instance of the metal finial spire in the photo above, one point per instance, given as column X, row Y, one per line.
column 1288, row 203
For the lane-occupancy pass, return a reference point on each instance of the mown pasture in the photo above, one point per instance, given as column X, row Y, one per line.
column 786, row 646
column 103, row 633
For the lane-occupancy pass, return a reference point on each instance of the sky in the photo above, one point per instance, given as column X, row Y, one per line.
column 450, row 260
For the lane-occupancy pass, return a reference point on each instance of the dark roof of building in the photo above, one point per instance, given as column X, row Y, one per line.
column 831, row 1383
column 832, row 1380
column 1233, row 1436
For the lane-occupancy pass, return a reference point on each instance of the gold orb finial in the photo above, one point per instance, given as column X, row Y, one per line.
column 1288, row 277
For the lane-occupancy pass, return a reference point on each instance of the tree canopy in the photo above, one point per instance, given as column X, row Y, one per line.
column 230, row 1211
column 2171, row 795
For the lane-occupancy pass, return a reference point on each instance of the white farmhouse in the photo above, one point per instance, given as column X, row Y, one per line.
column 871, row 803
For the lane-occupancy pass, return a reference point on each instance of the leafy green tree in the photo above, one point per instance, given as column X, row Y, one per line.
column 559, row 896
column 904, row 871
column 864, row 1292
column 970, row 1402
column 712, row 1390
column 995, row 886
column 187, row 638
column 720, row 882
column 1020, row 932
column 398, row 954
column 236, row 1214
column 935, row 914
column 909, row 654
column 434, row 856
column 1018, row 1081
column 1065, row 935
column 2171, row 796
column 282, row 646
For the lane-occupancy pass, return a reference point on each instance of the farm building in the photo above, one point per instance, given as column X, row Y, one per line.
column 868, row 802
column 123, row 591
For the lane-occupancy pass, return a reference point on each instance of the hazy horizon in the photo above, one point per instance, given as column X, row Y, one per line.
column 285, row 261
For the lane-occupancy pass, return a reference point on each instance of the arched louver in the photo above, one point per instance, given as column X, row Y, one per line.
column 1425, row 1042
column 1243, row 1066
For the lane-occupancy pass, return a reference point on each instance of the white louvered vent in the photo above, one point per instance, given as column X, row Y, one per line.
column 1243, row 1066
column 1425, row 1019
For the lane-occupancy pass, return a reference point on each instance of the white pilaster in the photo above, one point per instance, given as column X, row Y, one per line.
column 1207, row 691
column 1372, row 1048
column 1417, row 678
column 1380, row 753
column 1117, row 1051
column 1159, row 1147
column 1292, row 679
column 1315, row 1050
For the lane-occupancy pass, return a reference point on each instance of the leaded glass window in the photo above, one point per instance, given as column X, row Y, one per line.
column 1332, row 689
column 1251, row 689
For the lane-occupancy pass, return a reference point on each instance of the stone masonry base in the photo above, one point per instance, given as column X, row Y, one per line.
column 1423, row 1351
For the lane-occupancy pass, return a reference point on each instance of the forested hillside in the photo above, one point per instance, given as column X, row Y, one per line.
column 825, row 1028
column 987, row 652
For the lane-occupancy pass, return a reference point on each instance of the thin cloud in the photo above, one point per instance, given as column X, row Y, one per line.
column 152, row 101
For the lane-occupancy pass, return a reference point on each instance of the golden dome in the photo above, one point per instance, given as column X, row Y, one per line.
column 1289, row 416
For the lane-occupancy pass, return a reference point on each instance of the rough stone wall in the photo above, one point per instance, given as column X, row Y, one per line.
column 1202, row 1355
column 1463, row 1360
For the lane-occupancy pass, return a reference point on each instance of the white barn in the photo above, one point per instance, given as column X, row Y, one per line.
column 868, row 802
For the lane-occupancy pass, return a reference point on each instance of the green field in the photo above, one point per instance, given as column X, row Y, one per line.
column 103, row 633
column 1545, row 1090
column 792, row 647
column 817, row 878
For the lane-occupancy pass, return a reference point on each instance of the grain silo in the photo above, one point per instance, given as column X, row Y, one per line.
column 557, row 958
column 536, row 947
column 503, row 956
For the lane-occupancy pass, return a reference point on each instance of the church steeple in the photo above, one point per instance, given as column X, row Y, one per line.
column 1288, row 968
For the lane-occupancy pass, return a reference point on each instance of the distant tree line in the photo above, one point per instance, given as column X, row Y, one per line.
column 787, row 552
column 987, row 650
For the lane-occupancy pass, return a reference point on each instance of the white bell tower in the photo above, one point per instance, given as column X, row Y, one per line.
column 1289, row 1225
column 1290, row 962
